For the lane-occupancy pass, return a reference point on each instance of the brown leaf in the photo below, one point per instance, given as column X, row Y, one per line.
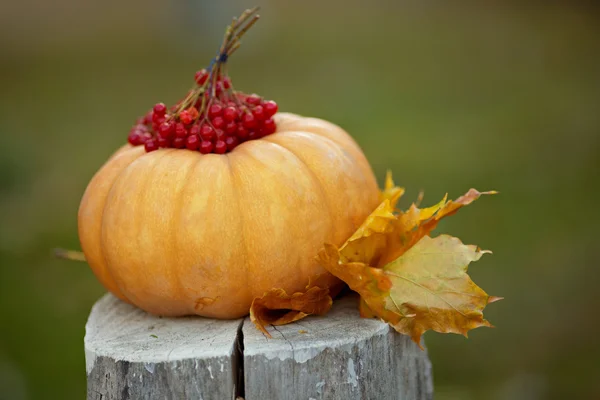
column 405, row 277
column 276, row 307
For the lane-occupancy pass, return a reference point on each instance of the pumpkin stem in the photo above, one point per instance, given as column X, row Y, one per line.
column 72, row 255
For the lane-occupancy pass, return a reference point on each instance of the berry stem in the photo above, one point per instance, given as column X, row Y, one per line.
column 212, row 117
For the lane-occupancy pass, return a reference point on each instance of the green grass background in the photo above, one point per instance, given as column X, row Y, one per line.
column 492, row 95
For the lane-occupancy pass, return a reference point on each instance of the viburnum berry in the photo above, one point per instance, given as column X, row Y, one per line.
column 166, row 129
column 150, row 145
column 259, row 113
column 180, row 130
column 201, row 77
column 231, row 128
column 179, row 142
column 195, row 130
column 226, row 82
column 218, row 122
column 220, row 134
column 145, row 137
column 249, row 120
column 242, row 132
column 135, row 138
column 185, row 117
column 253, row 99
column 192, row 142
column 230, row 113
column 207, row 133
column 270, row 108
column 215, row 110
column 219, row 88
column 148, row 117
column 159, row 109
column 163, row 141
column 268, row 126
column 206, row 147
column 220, row 147
column 231, row 142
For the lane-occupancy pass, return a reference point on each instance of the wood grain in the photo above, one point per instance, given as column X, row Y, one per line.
column 337, row 356
column 134, row 355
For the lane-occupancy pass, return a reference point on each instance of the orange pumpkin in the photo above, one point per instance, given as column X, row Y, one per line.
column 175, row 232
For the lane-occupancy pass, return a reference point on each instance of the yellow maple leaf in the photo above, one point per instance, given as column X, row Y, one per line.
column 410, row 280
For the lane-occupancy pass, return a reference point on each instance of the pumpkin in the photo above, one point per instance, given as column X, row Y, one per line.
column 176, row 232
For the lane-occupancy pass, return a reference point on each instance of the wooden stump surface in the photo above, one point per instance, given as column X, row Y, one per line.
column 134, row 355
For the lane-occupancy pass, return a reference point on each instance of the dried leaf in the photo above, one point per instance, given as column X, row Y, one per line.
column 391, row 192
column 405, row 277
column 430, row 283
column 276, row 307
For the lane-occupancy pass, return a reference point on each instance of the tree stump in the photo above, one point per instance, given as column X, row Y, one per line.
column 134, row 355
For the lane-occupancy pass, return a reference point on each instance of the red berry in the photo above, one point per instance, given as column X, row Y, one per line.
column 195, row 130
column 148, row 117
column 219, row 88
column 242, row 132
column 140, row 127
column 206, row 147
column 230, row 113
column 249, row 120
column 180, row 130
column 179, row 142
column 253, row 99
column 220, row 134
column 215, row 110
column 207, row 133
column 151, row 145
column 193, row 111
column 185, row 117
column 159, row 109
column 163, row 142
column 268, row 126
column 166, row 129
column 218, row 122
column 201, row 77
column 159, row 119
column 220, row 147
column 135, row 138
column 145, row 137
column 253, row 135
column 270, row 108
column 231, row 128
column 226, row 82
column 231, row 142
column 192, row 142
column 259, row 113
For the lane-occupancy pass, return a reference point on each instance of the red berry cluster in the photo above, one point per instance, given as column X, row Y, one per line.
column 213, row 117
column 222, row 125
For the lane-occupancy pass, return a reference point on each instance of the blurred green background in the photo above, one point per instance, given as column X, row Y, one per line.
column 449, row 95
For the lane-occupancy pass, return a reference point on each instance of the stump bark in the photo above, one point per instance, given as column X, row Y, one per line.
column 134, row 355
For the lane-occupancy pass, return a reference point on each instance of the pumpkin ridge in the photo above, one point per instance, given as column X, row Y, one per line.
column 314, row 179
column 107, row 268
column 176, row 221
column 249, row 278
column 345, row 141
column 117, row 178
